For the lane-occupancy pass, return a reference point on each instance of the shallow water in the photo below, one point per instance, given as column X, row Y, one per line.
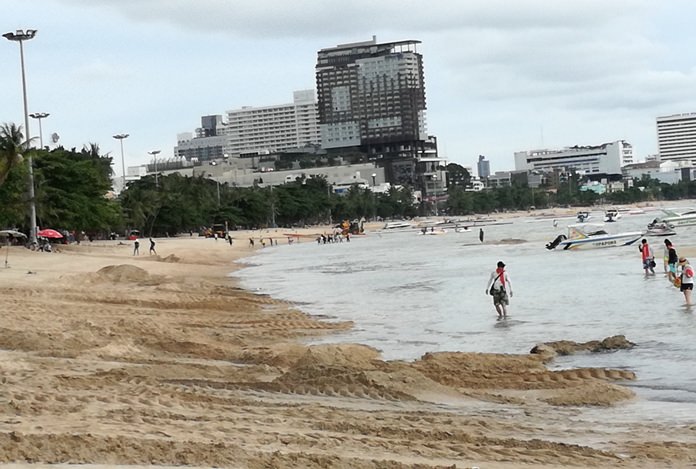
column 411, row 294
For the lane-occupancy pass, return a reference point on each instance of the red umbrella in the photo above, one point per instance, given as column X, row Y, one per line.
column 49, row 233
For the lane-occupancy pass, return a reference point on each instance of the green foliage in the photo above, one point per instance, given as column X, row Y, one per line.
column 12, row 146
column 71, row 190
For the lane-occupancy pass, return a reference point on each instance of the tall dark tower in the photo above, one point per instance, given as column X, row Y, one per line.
column 371, row 98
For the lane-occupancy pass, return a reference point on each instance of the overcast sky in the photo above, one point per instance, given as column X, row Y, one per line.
column 501, row 75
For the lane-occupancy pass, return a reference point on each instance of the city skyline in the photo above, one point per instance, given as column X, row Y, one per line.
column 498, row 78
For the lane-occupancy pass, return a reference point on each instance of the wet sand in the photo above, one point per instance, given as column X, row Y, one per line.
column 112, row 359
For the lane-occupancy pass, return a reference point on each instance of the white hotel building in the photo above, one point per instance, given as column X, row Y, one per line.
column 676, row 137
column 273, row 128
column 590, row 160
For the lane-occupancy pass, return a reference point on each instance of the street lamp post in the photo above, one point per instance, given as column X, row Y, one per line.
column 21, row 36
column 120, row 138
column 39, row 116
column 154, row 154
column 374, row 196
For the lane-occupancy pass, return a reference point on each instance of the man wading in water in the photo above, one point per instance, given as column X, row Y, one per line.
column 498, row 286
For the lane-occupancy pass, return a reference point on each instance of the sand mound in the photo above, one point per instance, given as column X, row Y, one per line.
column 569, row 347
column 591, row 393
column 123, row 273
column 349, row 355
column 171, row 258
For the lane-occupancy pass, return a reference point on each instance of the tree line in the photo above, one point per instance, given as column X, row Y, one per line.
column 73, row 192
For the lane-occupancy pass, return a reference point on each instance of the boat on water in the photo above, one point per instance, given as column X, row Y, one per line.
column 583, row 216
column 396, row 225
column 660, row 229
column 592, row 236
column 611, row 215
column 677, row 218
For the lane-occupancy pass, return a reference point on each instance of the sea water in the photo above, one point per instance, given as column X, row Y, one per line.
column 409, row 294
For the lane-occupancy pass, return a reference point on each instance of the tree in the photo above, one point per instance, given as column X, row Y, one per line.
column 457, row 175
column 12, row 146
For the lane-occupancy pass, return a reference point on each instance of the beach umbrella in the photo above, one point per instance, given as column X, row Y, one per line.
column 49, row 233
column 7, row 234
column 12, row 234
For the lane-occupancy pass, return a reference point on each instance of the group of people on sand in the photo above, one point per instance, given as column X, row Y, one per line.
column 678, row 269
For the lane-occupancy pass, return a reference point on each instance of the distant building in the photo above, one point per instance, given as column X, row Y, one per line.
column 270, row 129
column 605, row 159
column 199, row 148
column 252, row 131
column 483, row 166
column 669, row 172
column 371, row 97
column 499, row 179
column 676, row 137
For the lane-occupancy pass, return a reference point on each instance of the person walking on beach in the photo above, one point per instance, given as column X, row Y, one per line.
column 671, row 260
column 152, row 247
column 647, row 256
column 481, row 234
column 136, row 248
column 687, row 279
column 499, row 286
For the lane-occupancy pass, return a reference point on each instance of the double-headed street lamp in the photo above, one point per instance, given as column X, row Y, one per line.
column 21, row 36
column 39, row 116
column 120, row 138
column 154, row 154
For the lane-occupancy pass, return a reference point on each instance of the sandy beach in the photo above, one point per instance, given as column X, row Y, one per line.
column 113, row 359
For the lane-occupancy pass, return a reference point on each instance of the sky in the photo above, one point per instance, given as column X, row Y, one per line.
column 500, row 75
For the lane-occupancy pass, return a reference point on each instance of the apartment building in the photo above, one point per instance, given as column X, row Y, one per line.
column 269, row 129
column 251, row 131
column 371, row 96
column 676, row 137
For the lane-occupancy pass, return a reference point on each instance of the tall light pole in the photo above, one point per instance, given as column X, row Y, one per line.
column 154, row 154
column 39, row 116
column 21, row 36
column 120, row 138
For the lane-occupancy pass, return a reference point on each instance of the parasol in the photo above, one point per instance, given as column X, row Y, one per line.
column 7, row 234
column 49, row 233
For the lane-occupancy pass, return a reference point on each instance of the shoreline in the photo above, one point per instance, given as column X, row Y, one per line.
column 152, row 360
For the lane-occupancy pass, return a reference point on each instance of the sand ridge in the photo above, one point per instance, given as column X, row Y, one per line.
column 110, row 358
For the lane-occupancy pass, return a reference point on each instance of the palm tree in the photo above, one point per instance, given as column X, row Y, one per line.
column 12, row 145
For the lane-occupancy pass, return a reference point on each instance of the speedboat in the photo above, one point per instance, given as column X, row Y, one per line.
column 660, row 229
column 593, row 236
column 583, row 216
column 611, row 215
column 396, row 225
column 677, row 217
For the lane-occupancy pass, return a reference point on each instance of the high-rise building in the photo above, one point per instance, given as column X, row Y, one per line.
column 269, row 129
column 371, row 97
column 483, row 166
column 252, row 131
column 676, row 137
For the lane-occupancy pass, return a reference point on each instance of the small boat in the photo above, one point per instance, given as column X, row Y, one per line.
column 396, row 225
column 463, row 229
column 583, row 216
column 677, row 218
column 611, row 215
column 660, row 229
column 593, row 236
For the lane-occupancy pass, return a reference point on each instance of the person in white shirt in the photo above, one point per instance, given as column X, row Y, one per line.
column 500, row 287
column 687, row 279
